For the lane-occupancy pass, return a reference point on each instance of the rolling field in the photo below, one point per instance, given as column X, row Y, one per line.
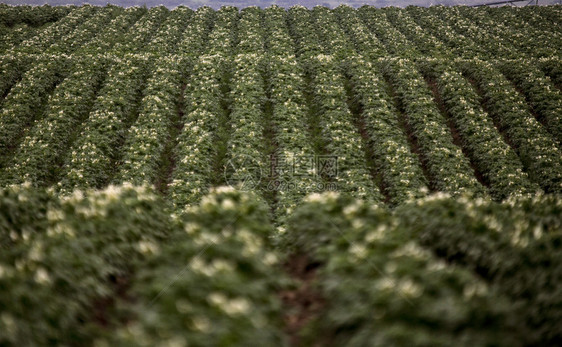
column 272, row 177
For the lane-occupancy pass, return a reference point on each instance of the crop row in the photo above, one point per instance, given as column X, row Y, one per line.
column 498, row 163
column 35, row 16
column 12, row 67
column 70, row 267
column 113, row 32
column 514, row 247
column 330, row 34
column 303, row 34
column 69, row 256
column 14, row 36
column 342, row 142
column 544, row 98
column 357, row 30
column 293, row 173
column 213, row 281
column 537, row 90
column 196, row 150
column 97, row 147
column 85, row 31
column 341, row 135
column 485, row 38
column 395, row 42
column 532, row 37
column 246, row 162
column 245, row 148
column 511, row 178
column 65, row 27
column 376, row 114
column 448, row 168
column 140, row 34
column 171, row 31
column 526, row 39
column 193, row 40
column 29, row 104
column 553, row 68
column 469, row 32
column 400, row 168
column 534, row 145
column 26, row 100
column 148, row 136
column 381, row 287
column 422, row 40
column 47, row 141
column 459, row 44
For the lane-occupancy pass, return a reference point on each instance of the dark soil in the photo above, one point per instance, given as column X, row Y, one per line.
column 303, row 303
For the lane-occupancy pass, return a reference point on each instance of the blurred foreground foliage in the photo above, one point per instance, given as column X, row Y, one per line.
column 117, row 267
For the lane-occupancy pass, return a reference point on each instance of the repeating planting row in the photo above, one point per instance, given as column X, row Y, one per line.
column 405, row 32
column 196, row 152
column 493, row 158
column 90, row 161
column 340, row 134
column 401, row 172
column 14, row 36
column 536, row 148
column 38, row 120
column 27, row 99
column 544, row 98
column 448, row 168
column 112, row 32
column 85, row 31
column 293, row 174
column 245, row 147
column 371, row 117
column 380, row 287
column 148, row 136
column 32, row 15
column 65, row 261
column 246, row 161
column 70, row 266
column 65, row 27
column 42, row 150
column 214, row 281
column 515, row 247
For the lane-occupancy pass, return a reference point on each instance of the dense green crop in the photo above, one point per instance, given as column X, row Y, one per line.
column 272, row 177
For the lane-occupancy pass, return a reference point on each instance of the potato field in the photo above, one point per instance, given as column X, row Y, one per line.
column 280, row 177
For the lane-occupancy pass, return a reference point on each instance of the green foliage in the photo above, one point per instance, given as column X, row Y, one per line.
column 515, row 246
column 544, row 98
column 24, row 104
column 458, row 100
column 44, row 146
column 400, row 168
column 535, row 146
column 66, row 256
column 382, row 288
column 23, row 213
column 448, row 167
column 212, row 283
column 499, row 164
